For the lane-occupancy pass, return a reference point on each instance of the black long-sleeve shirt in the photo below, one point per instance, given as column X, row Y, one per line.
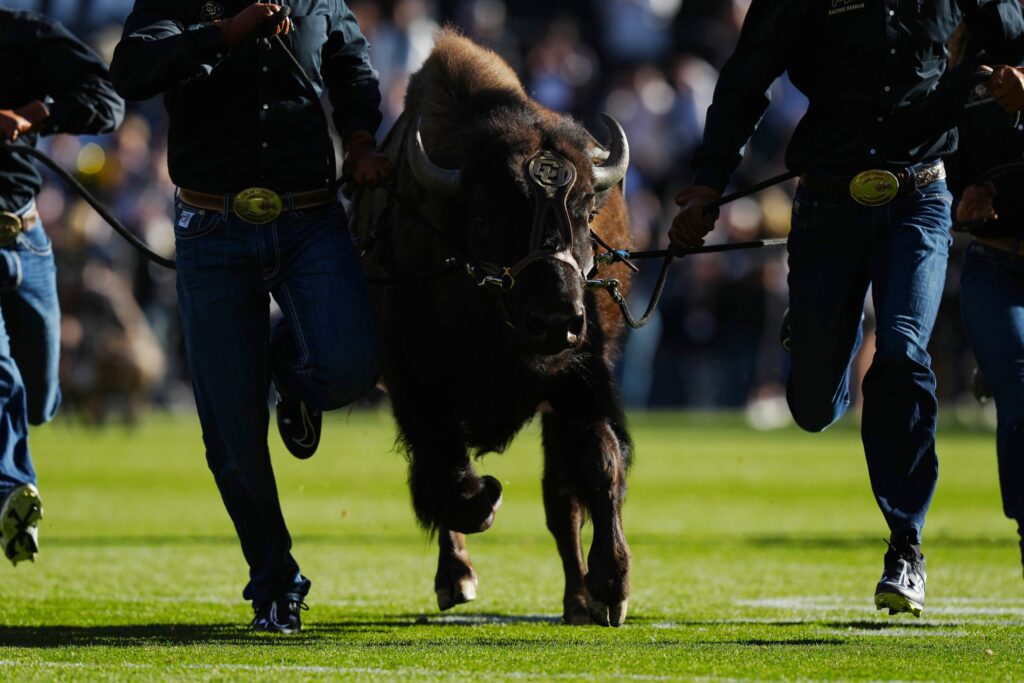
column 43, row 61
column 860, row 63
column 244, row 117
column 990, row 138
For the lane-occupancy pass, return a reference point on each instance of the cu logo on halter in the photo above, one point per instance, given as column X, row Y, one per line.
column 551, row 171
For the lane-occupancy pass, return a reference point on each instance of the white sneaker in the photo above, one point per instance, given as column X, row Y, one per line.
column 19, row 523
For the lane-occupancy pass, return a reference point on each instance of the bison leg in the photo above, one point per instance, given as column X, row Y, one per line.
column 584, row 433
column 564, row 519
column 446, row 491
column 455, row 582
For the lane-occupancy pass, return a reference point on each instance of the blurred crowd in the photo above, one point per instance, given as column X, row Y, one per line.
column 652, row 64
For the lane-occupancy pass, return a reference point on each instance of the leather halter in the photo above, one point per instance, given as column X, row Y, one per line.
column 551, row 177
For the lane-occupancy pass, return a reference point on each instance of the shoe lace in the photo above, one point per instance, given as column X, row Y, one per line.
column 905, row 553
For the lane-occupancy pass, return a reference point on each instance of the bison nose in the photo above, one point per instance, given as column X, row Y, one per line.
column 555, row 328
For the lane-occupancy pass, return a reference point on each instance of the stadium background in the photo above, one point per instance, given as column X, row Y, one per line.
column 653, row 64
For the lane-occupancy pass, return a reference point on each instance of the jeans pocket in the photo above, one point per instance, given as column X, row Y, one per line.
column 35, row 241
column 809, row 211
column 192, row 223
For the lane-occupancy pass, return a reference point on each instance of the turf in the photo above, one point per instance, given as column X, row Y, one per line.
column 755, row 557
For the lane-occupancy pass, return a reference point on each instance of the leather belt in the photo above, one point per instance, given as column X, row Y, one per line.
column 907, row 180
column 13, row 224
column 287, row 202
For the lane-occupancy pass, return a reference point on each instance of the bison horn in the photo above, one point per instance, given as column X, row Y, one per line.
column 432, row 177
column 613, row 170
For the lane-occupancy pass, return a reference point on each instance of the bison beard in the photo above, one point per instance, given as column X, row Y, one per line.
column 464, row 373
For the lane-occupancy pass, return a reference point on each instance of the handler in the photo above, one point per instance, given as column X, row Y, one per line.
column 876, row 213
column 258, row 215
column 50, row 83
column 988, row 170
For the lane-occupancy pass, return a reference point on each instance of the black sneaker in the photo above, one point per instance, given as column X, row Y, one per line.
column 901, row 588
column 299, row 427
column 279, row 616
column 785, row 333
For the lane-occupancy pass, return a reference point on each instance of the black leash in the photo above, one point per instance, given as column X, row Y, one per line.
column 91, row 199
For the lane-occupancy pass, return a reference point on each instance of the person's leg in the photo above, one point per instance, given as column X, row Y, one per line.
column 224, row 309
column 324, row 350
column 828, row 280
column 32, row 314
column 15, row 461
column 908, row 268
column 992, row 302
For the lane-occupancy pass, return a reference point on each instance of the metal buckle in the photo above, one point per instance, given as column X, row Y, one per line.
column 874, row 188
column 257, row 205
column 10, row 226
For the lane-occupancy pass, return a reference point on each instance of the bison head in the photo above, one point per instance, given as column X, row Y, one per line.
column 523, row 202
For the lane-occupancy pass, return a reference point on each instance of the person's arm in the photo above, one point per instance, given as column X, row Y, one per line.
column 158, row 52
column 998, row 25
column 351, row 81
column 73, row 76
column 742, row 95
column 354, row 90
column 743, row 91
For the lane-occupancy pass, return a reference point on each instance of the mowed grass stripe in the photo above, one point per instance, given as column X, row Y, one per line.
column 755, row 556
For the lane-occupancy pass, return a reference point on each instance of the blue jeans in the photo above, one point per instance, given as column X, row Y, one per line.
column 837, row 248
column 324, row 352
column 992, row 302
column 29, row 352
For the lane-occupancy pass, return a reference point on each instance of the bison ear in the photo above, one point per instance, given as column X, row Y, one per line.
column 429, row 175
column 613, row 170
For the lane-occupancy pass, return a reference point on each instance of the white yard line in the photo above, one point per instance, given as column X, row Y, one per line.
column 355, row 670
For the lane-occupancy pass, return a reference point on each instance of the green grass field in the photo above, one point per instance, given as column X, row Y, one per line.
column 755, row 557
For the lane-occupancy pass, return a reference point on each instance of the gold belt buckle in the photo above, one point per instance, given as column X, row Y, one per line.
column 874, row 188
column 10, row 226
column 257, row 205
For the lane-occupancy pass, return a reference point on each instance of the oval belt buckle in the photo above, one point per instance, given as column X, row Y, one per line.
column 874, row 188
column 10, row 226
column 257, row 205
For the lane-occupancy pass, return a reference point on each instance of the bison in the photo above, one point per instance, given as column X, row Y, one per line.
column 506, row 194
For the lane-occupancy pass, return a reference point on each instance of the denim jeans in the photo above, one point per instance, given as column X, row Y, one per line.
column 992, row 302
column 324, row 352
column 837, row 248
column 29, row 352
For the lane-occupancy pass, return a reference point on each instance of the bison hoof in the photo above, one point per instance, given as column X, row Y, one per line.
column 462, row 591
column 484, row 506
column 577, row 613
column 606, row 615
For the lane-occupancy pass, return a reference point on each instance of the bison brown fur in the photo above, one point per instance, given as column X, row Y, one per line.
column 464, row 372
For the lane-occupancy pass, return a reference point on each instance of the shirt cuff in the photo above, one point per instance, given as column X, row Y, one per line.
column 708, row 175
column 207, row 43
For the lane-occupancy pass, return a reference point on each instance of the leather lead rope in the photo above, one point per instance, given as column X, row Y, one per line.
column 95, row 203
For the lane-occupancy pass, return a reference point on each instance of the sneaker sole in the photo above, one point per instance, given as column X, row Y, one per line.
column 897, row 604
column 29, row 507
